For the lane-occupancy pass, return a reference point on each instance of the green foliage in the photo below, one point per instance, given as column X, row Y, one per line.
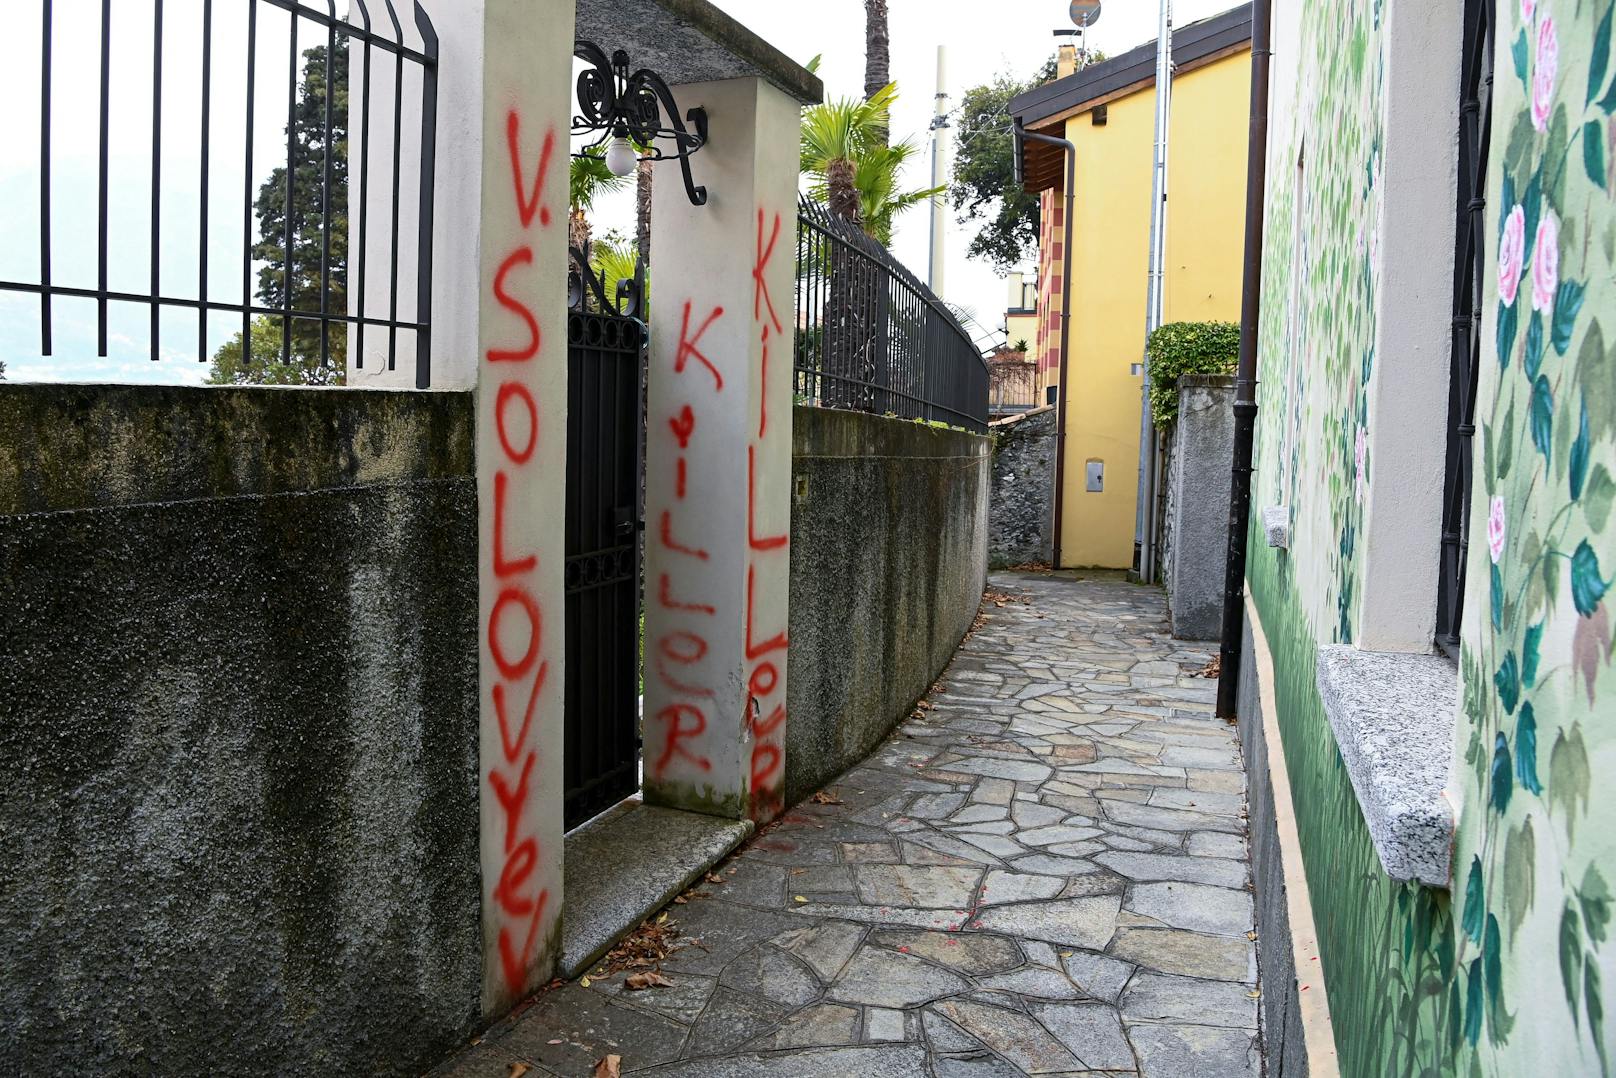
column 984, row 187
column 850, row 165
column 588, row 178
column 1179, row 348
column 310, row 238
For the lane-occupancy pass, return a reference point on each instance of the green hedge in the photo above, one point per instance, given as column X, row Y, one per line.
column 1187, row 348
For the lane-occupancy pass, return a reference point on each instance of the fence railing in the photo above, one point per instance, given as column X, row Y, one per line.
column 285, row 274
column 873, row 338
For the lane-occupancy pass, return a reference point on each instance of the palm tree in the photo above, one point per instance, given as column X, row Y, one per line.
column 877, row 55
column 875, row 177
column 854, row 171
column 587, row 179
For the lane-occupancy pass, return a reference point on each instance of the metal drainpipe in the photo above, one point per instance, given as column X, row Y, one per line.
column 1023, row 134
column 1245, row 384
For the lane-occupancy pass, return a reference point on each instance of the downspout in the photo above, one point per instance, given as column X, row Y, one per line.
column 1022, row 134
column 1245, row 384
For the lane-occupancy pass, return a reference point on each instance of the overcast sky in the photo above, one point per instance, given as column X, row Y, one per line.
column 983, row 39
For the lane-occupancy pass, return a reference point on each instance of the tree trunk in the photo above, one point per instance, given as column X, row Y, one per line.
column 842, row 196
column 578, row 230
column 642, row 212
column 877, row 54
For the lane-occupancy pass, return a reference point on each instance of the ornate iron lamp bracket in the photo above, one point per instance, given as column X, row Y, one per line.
column 620, row 104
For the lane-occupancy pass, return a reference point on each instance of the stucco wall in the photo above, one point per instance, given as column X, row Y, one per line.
column 239, row 731
column 1197, row 511
column 888, row 561
column 1020, row 511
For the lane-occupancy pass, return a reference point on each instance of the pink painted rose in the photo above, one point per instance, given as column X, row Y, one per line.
column 1360, row 451
column 1495, row 529
column 1511, row 253
column 1546, row 263
column 1548, row 63
column 1527, row 8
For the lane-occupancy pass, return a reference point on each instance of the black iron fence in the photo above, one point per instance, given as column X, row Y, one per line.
column 291, row 259
column 873, row 338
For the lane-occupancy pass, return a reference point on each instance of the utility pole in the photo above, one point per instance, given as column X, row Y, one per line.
column 939, row 173
column 1145, row 523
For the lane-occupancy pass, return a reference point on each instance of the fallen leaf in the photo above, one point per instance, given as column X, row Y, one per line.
column 1255, row 993
column 823, row 798
column 649, row 979
column 553, row 1040
column 517, row 1070
column 680, row 900
column 584, row 982
column 609, row 1067
column 1251, row 935
column 799, row 898
column 713, row 877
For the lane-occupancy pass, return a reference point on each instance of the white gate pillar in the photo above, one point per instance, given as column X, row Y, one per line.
column 718, row 458
column 500, row 284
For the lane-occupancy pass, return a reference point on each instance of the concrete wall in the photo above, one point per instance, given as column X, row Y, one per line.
column 1198, row 505
column 239, row 731
column 888, row 560
column 1020, row 512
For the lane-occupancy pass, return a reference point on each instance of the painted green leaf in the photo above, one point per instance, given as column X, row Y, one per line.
column 1520, row 873
column 1455, row 1016
column 1493, row 978
column 1534, row 345
column 1571, row 957
column 1508, row 321
column 1593, row 153
column 1475, row 904
column 1543, row 416
column 1587, row 586
column 1526, row 750
column 1598, row 381
column 1579, row 454
column 1502, row 782
column 1555, row 148
column 1569, row 776
column 1600, row 493
column 1495, row 594
column 1532, row 203
column 1550, row 575
column 1508, row 682
column 1599, row 57
column 1506, row 442
column 1531, row 649
column 1567, row 302
column 1519, row 51
column 1593, row 1002
column 1473, row 1004
column 1595, row 899
column 1607, row 103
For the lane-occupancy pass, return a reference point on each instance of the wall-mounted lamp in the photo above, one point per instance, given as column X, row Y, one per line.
column 627, row 110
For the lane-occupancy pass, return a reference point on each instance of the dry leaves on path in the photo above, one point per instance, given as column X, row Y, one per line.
column 1212, row 669
column 517, row 1070
column 643, row 949
column 609, row 1067
column 823, row 798
column 636, row 982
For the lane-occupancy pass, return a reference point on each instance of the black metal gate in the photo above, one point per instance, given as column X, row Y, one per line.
column 604, row 403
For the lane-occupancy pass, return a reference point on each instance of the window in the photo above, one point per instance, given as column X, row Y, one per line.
column 1475, row 125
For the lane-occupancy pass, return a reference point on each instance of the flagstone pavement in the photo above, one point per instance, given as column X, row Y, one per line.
column 1044, row 873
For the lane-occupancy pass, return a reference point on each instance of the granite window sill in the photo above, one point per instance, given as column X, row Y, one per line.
column 1393, row 717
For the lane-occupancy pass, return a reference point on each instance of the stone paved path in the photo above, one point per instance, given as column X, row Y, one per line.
column 1045, row 874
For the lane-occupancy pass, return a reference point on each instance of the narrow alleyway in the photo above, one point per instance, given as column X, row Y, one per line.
column 1044, row 873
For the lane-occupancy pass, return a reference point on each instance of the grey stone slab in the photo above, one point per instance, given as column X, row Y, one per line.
column 1212, row 844
column 1000, row 887
column 918, row 886
column 867, row 1061
column 883, row 1024
column 979, row 1064
column 1012, row 1035
column 1052, row 865
column 1190, row 756
column 1030, row 814
column 1393, row 715
column 883, row 978
column 586, row 1026
column 724, row 931
column 820, row 1025
column 1224, row 804
column 1021, row 770
column 1171, row 1051
column 826, row 946
column 819, row 878
column 993, row 791
column 1099, row 977
column 968, row 953
column 944, row 849
column 1049, row 836
column 625, row 865
column 751, row 882
column 1034, row 982
column 1079, row 922
column 944, row 1036
column 885, row 915
column 873, row 853
column 989, row 827
column 1153, row 997
column 1090, row 1031
column 979, row 813
column 683, row 1002
column 936, row 806
column 1194, row 906
column 1189, row 954
column 997, row 845
column 1161, row 866
column 731, row 1020
column 772, row 974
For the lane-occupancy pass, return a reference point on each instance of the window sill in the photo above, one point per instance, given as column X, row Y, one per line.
column 1393, row 718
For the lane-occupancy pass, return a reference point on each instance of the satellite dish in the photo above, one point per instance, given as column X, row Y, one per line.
column 1085, row 13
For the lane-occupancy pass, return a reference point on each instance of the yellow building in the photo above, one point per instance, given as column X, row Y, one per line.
column 1107, row 112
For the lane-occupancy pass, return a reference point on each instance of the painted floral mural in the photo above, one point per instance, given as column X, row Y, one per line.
column 1536, row 857
column 1509, row 970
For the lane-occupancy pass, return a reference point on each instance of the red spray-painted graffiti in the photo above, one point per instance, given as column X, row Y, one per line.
column 514, row 633
column 765, row 657
column 683, row 721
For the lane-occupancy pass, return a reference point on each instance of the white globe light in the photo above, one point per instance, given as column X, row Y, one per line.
column 620, row 157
